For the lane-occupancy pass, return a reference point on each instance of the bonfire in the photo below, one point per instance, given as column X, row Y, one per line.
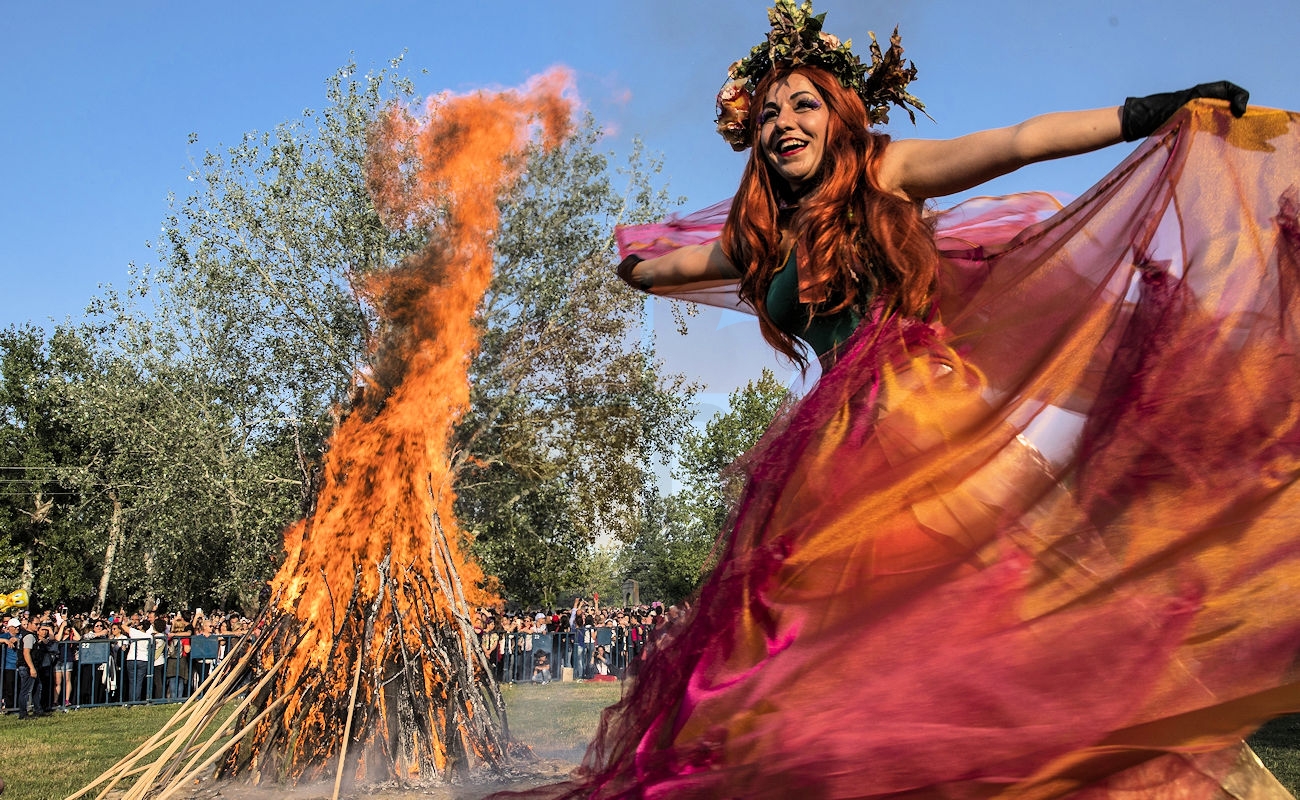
column 364, row 667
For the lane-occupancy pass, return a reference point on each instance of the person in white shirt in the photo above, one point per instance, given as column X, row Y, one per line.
column 137, row 664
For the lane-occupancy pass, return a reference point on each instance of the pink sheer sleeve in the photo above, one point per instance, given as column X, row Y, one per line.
column 965, row 234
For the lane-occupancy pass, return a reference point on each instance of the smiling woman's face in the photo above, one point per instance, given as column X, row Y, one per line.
column 792, row 127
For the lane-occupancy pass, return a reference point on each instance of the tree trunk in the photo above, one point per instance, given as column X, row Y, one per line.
column 110, row 553
column 29, row 568
column 151, row 581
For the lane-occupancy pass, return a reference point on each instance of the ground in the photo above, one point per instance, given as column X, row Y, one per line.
column 50, row 758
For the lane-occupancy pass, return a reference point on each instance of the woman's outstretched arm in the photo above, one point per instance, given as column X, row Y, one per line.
column 920, row 169
column 924, row 168
column 691, row 264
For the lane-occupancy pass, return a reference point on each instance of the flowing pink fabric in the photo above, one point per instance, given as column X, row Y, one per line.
column 1042, row 544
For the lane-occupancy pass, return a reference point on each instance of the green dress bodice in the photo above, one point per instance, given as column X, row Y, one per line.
column 822, row 333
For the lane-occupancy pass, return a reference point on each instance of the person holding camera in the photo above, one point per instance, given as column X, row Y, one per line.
column 47, row 664
column 64, row 650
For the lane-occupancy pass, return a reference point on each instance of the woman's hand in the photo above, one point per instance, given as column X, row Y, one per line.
column 1142, row 116
column 625, row 269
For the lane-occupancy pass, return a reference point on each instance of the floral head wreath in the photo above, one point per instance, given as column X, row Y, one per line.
column 797, row 39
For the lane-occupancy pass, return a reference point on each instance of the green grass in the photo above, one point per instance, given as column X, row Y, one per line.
column 1278, row 745
column 558, row 719
column 51, row 757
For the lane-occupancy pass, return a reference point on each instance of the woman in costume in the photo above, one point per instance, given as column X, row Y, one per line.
column 1032, row 533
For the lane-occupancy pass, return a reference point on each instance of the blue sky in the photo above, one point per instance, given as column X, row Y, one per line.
column 100, row 97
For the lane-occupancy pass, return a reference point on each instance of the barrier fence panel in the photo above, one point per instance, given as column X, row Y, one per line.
column 540, row 657
column 110, row 672
column 113, row 672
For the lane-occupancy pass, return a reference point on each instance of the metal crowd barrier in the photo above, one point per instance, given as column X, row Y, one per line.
column 517, row 657
column 110, row 672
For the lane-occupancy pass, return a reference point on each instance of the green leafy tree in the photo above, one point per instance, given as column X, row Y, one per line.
column 570, row 407
column 246, row 338
column 180, row 428
column 668, row 553
column 38, row 537
column 710, row 486
column 95, row 439
column 79, row 439
column 677, row 533
column 202, row 396
column 174, row 434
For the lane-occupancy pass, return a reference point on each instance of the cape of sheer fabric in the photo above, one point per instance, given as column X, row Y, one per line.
column 1042, row 544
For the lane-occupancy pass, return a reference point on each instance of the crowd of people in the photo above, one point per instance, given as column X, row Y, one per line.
column 594, row 643
column 56, row 661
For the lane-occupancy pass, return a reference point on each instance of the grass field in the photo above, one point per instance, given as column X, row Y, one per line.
column 52, row 757
column 1278, row 746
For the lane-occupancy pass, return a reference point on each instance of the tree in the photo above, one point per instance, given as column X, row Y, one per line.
column 259, row 303
column 41, row 540
column 365, row 659
column 102, row 440
column 177, row 431
column 110, row 405
column 194, row 405
column 569, row 406
column 711, row 486
column 677, row 534
column 669, row 551
column 228, row 362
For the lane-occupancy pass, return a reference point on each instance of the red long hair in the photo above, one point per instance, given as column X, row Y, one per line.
column 856, row 242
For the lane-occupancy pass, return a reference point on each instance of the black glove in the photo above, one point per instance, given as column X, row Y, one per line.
column 1143, row 115
column 625, row 268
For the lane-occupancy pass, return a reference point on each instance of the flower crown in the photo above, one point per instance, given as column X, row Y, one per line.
column 797, row 39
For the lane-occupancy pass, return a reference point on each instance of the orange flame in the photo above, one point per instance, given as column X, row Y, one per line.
column 370, row 542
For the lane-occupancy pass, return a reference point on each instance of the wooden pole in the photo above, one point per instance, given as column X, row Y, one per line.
column 347, row 727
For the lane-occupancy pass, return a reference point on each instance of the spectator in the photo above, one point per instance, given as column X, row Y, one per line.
column 94, row 663
column 577, row 625
column 600, row 666
column 542, row 667
column 11, row 641
column 157, row 631
column 46, row 657
column 29, row 687
column 136, row 662
column 517, row 642
column 114, row 678
column 204, row 651
column 177, row 665
column 493, row 646
column 66, row 638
